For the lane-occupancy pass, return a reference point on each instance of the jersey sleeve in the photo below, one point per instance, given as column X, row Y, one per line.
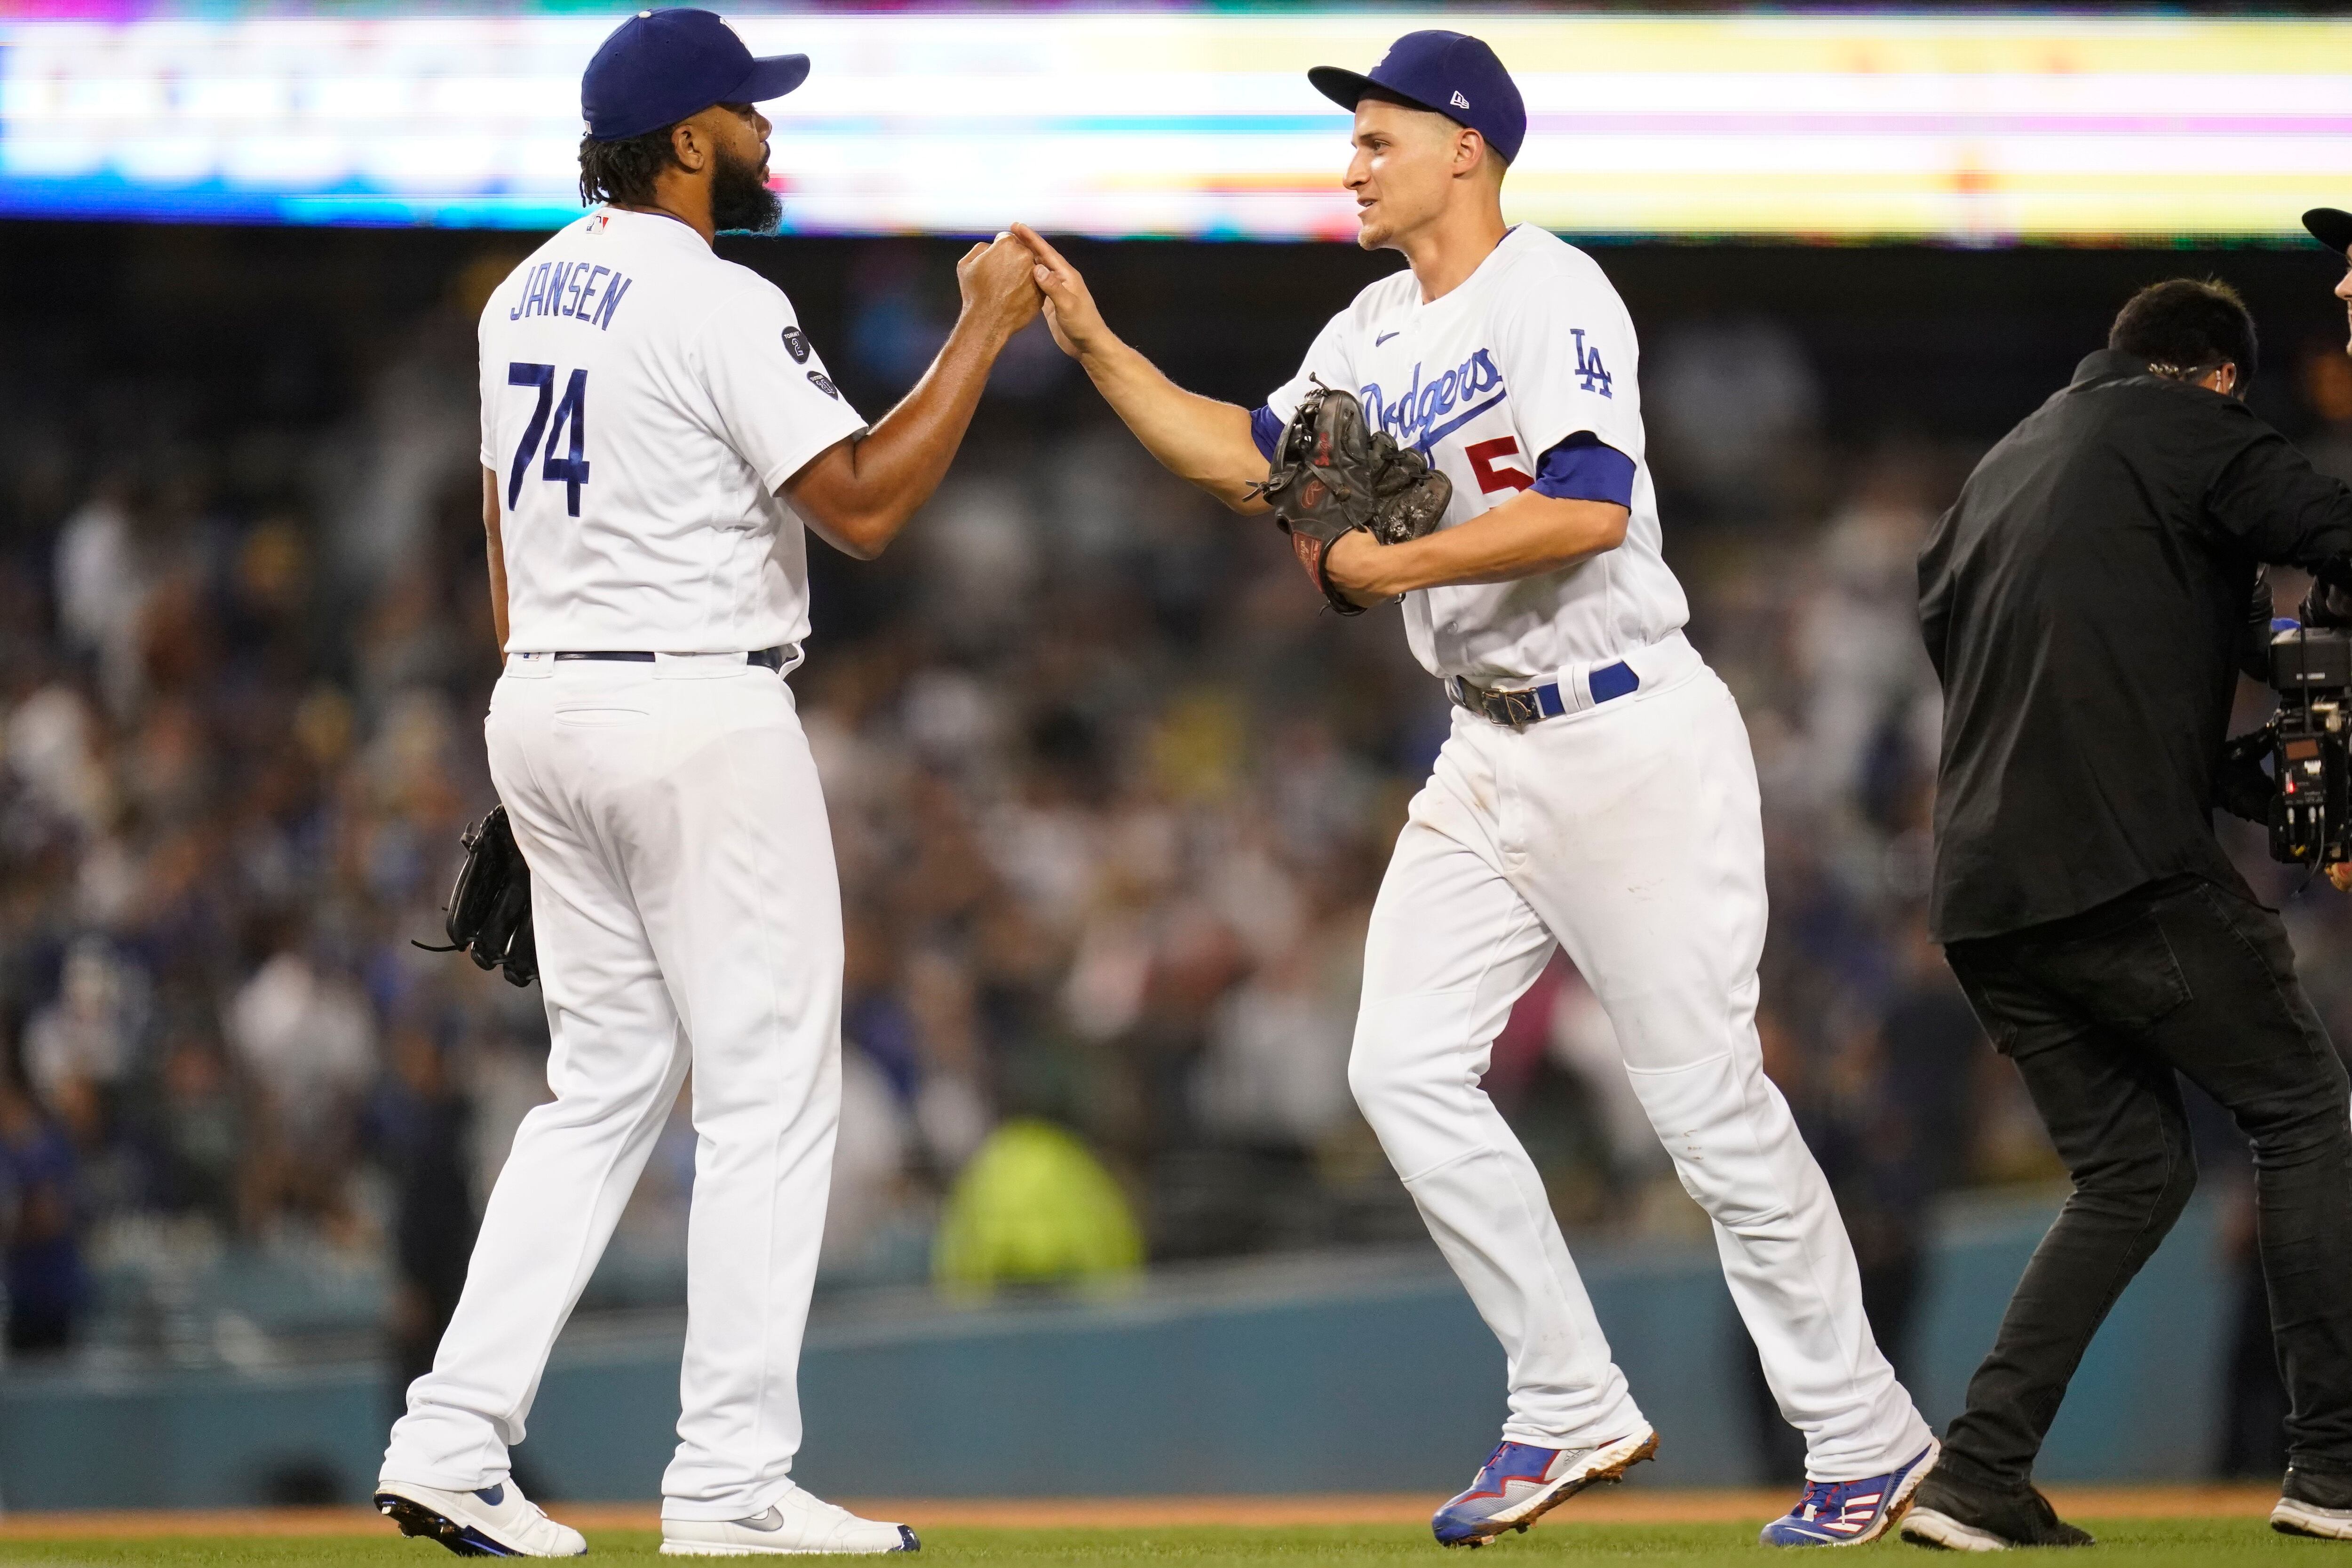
column 1326, row 358
column 1586, row 468
column 489, row 453
column 1569, row 359
column 776, row 405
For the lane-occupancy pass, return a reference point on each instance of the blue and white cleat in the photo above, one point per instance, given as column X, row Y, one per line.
column 1847, row 1513
column 496, row 1522
column 1521, row 1483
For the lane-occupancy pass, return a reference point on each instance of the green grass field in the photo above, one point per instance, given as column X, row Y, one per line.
column 2124, row 1543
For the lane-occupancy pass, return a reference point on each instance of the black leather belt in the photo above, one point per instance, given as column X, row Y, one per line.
column 765, row 658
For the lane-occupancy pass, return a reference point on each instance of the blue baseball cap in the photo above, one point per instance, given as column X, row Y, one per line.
column 659, row 67
column 1451, row 74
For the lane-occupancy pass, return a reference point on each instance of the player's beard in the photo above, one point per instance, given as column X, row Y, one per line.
column 740, row 201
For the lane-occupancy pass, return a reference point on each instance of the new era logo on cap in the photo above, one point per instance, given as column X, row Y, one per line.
column 1459, row 101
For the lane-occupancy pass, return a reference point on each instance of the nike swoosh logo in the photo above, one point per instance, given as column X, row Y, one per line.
column 1382, row 339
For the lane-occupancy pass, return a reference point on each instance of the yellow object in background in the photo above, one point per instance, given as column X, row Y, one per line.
column 1034, row 1207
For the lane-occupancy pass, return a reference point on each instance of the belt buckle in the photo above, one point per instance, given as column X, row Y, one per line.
column 1512, row 709
column 1519, row 708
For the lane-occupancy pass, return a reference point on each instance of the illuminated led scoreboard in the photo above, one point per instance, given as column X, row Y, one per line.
column 1982, row 129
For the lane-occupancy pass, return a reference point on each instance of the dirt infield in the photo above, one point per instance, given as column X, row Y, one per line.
column 1637, row 1505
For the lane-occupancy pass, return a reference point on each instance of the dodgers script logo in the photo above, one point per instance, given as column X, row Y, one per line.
column 1413, row 416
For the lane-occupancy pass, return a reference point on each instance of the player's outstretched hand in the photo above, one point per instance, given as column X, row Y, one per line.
column 997, row 290
column 1070, row 313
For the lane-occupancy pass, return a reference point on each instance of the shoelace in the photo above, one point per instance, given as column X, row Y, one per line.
column 1816, row 1500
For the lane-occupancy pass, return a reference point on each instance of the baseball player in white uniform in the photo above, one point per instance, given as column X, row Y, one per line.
column 1596, row 794
column 657, row 430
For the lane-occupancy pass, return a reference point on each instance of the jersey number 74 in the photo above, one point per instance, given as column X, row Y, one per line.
column 571, row 469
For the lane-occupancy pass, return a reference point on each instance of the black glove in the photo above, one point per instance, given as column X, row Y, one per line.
column 489, row 909
column 2329, row 603
column 2243, row 787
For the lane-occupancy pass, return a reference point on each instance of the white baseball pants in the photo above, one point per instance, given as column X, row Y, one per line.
column 1628, row 832
column 688, row 912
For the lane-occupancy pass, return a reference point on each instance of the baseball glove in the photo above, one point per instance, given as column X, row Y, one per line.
column 1333, row 474
column 489, row 909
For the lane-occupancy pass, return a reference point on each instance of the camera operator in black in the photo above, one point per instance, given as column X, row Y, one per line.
column 2086, row 606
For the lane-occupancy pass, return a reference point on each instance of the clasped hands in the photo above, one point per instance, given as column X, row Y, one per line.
column 998, row 282
column 1353, row 561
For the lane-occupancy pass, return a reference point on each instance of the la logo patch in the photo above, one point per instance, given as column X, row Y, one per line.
column 796, row 344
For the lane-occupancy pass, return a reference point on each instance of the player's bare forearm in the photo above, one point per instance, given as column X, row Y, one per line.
column 1196, row 438
column 1199, row 440
column 860, row 492
column 1527, row 536
column 495, row 547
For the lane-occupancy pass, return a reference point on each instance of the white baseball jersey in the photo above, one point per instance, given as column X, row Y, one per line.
column 642, row 402
column 1532, row 348
column 1628, row 834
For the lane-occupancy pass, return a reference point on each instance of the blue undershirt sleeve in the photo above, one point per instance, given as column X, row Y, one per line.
column 1265, row 430
column 1585, row 467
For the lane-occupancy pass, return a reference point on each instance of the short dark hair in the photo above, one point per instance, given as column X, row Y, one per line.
column 2188, row 325
column 1378, row 94
column 623, row 170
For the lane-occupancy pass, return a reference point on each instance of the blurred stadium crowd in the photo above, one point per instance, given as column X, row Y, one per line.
column 1111, row 797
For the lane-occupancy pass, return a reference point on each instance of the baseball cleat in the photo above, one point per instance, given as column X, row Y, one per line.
column 794, row 1525
column 1946, row 1514
column 1847, row 1513
column 1521, row 1483
column 2313, row 1504
column 495, row 1522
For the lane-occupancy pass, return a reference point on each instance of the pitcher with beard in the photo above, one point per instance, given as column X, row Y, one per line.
column 657, row 431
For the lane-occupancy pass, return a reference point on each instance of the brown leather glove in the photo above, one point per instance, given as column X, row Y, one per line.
column 1333, row 474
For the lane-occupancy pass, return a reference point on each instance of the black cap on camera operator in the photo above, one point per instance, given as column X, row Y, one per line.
column 2087, row 606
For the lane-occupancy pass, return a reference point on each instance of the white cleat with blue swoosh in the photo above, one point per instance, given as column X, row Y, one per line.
column 494, row 1522
column 795, row 1524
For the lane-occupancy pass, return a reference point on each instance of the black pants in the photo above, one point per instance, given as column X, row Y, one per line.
column 2099, row 1011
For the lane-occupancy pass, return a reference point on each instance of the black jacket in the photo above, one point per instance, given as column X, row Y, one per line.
column 2084, row 604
